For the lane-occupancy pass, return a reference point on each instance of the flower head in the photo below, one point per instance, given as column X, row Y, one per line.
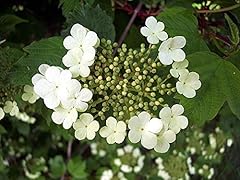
column 173, row 119
column 171, row 50
column 29, row 94
column 154, row 30
column 178, row 67
column 85, row 127
column 11, row 108
column 66, row 117
column 188, row 84
column 144, row 129
column 114, row 131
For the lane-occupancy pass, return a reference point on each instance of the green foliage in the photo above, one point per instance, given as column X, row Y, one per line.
column 220, row 82
column 8, row 57
column 68, row 6
column 94, row 19
column 181, row 22
column 57, row 166
column 46, row 51
column 76, row 167
column 8, row 22
column 234, row 30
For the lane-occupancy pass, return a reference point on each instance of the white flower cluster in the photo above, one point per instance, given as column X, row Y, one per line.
column 129, row 160
column 157, row 133
column 61, row 93
column 171, row 52
column 107, row 175
column 81, row 46
column 161, row 172
column 96, row 150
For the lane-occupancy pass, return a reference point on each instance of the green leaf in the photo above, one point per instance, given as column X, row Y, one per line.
column 94, row 19
column 220, row 82
column 47, row 51
column 2, row 130
column 9, row 21
column 76, row 167
column 57, row 166
column 8, row 57
column 68, row 6
column 182, row 22
column 234, row 30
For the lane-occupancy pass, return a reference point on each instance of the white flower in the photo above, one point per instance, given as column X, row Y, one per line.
column 78, row 61
column 2, row 114
column 126, row 168
column 154, row 30
column 114, row 131
column 188, row 84
column 82, row 38
column 11, row 108
column 76, row 97
column 64, row 116
column 170, row 50
column 178, row 67
column 173, row 119
column 85, row 127
column 52, row 88
column 144, row 129
column 163, row 140
column 29, row 95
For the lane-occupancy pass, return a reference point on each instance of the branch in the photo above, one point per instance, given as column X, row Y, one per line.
column 125, row 32
column 219, row 10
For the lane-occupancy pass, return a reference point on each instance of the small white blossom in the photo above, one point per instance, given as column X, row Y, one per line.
column 11, row 108
column 126, row 168
column 144, row 129
column 173, row 119
column 171, row 50
column 82, row 38
column 86, row 127
column 76, row 97
column 188, row 84
column 114, row 131
column 64, row 116
column 178, row 67
column 52, row 87
column 42, row 69
column 154, row 30
column 2, row 114
column 78, row 61
column 117, row 162
column 229, row 142
column 29, row 95
column 165, row 137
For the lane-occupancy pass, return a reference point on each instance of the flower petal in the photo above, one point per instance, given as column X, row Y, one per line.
column 177, row 109
column 84, row 71
column 52, row 74
column 43, row 68
column 59, row 116
column 182, row 121
column 178, row 42
column 169, row 136
column 155, row 125
column 162, row 36
column 86, row 118
column 93, row 126
column 149, row 140
column 36, row 78
column 165, row 113
column 81, row 133
column 145, row 31
column 111, row 122
column 151, row 22
column 43, row 88
column 165, row 57
column 178, row 55
column 78, row 32
column 144, row 116
column 105, row 131
column 162, row 146
column 91, row 39
column 91, row 135
column 153, row 39
column 111, row 139
column 134, row 136
column 51, row 100
column 121, row 126
column 81, row 106
column 85, row 95
column 69, row 43
column 119, row 137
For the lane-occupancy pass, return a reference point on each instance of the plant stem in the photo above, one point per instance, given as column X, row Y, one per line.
column 219, row 10
column 69, row 149
column 125, row 32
